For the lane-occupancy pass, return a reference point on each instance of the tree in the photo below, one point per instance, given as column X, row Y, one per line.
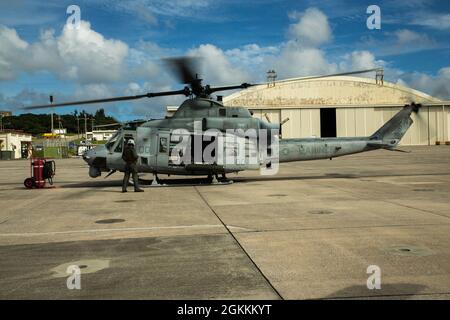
column 40, row 123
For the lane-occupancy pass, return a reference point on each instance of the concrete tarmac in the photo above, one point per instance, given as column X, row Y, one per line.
column 310, row 232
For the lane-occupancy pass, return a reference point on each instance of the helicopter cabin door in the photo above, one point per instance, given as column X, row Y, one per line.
column 162, row 152
column 144, row 148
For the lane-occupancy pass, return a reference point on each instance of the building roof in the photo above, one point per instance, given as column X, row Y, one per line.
column 330, row 91
column 17, row 132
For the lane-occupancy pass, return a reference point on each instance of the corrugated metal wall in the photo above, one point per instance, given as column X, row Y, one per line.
column 302, row 122
column 362, row 106
column 431, row 124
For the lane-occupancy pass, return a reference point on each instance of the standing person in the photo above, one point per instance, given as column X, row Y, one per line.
column 29, row 151
column 130, row 157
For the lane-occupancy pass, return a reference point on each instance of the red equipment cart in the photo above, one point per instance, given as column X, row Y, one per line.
column 41, row 170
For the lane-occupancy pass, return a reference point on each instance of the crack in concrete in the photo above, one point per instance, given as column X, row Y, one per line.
column 240, row 245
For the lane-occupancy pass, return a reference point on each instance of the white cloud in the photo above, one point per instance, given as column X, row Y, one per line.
column 77, row 54
column 312, row 28
column 216, row 67
column 150, row 108
column 400, row 42
column 11, row 49
column 92, row 57
column 182, row 8
column 149, row 10
column 94, row 91
column 408, row 37
column 251, row 54
column 142, row 11
column 300, row 55
column 360, row 60
column 440, row 21
column 25, row 96
column 296, row 61
column 437, row 86
column 100, row 67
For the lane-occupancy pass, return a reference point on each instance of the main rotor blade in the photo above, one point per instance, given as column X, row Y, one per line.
column 323, row 76
column 184, row 68
column 74, row 103
column 340, row 74
column 185, row 92
column 109, row 125
column 210, row 90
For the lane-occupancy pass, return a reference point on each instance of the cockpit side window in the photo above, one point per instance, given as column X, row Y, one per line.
column 119, row 146
column 113, row 139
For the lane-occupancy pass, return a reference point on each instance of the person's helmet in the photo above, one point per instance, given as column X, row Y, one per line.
column 131, row 141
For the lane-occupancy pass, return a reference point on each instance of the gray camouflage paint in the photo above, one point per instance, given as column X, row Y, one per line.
column 214, row 115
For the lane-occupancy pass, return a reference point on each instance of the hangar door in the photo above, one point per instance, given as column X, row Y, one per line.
column 328, row 122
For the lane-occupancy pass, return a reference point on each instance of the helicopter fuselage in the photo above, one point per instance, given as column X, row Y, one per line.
column 205, row 138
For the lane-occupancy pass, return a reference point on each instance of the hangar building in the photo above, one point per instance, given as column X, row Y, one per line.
column 344, row 106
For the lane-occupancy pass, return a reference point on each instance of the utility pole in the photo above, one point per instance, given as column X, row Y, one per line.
column 60, row 126
column 78, row 126
column 59, row 136
column 85, row 127
column 51, row 115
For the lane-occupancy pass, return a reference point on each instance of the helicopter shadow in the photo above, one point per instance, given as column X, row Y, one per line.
column 143, row 183
column 93, row 184
column 387, row 291
column 185, row 182
column 327, row 177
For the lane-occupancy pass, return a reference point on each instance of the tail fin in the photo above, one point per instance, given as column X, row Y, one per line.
column 393, row 131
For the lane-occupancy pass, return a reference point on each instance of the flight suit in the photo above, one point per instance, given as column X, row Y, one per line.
column 130, row 157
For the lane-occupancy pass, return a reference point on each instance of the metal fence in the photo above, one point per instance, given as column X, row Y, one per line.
column 55, row 143
column 52, row 148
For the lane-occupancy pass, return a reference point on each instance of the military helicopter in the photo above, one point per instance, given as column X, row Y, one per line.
column 230, row 137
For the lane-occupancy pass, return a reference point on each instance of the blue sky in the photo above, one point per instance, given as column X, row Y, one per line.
column 118, row 48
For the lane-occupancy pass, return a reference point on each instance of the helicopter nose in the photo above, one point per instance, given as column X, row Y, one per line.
column 88, row 156
column 98, row 152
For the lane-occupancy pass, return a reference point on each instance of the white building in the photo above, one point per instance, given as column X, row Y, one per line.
column 15, row 141
column 60, row 132
column 100, row 135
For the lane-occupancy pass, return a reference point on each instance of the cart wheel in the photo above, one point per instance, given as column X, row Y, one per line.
column 29, row 183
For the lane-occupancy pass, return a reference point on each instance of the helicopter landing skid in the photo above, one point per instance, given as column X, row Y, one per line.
column 182, row 182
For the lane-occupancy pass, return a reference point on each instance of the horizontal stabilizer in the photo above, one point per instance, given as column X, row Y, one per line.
column 379, row 144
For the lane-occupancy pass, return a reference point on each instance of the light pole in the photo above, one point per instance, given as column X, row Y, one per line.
column 85, row 128
column 51, row 115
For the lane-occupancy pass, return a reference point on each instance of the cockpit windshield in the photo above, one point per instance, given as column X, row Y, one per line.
column 113, row 139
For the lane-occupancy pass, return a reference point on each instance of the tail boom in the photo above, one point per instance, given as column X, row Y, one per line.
column 387, row 137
